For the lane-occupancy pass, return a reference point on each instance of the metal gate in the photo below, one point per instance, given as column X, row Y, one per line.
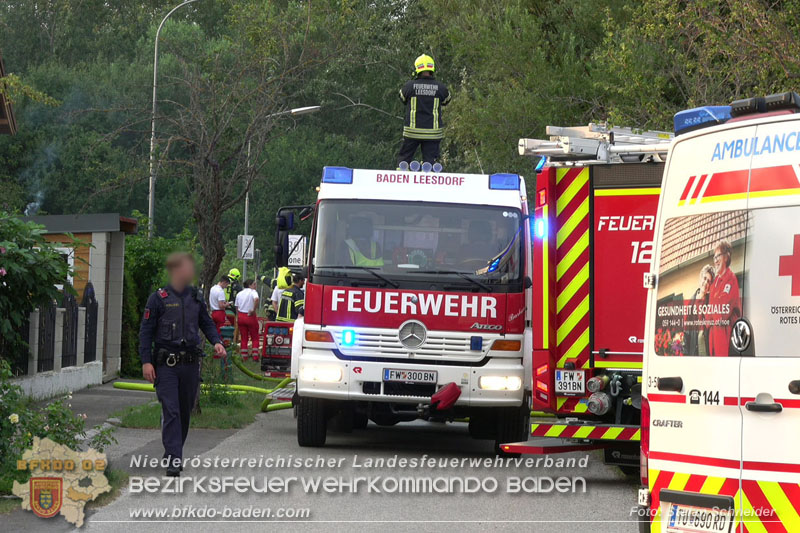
column 47, row 337
column 90, row 338
column 69, row 339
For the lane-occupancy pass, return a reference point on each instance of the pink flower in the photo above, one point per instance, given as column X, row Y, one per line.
column 2, row 271
column 2, row 249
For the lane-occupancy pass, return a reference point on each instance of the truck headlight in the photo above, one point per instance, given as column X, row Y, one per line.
column 500, row 382
column 322, row 373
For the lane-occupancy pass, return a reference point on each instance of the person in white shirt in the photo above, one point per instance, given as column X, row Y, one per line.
column 218, row 303
column 247, row 307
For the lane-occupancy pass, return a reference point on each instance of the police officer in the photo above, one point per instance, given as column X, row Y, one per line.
column 424, row 97
column 293, row 299
column 172, row 321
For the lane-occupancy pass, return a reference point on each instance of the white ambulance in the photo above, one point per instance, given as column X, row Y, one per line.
column 721, row 407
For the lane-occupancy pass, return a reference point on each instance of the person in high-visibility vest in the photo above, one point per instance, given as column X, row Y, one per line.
column 293, row 299
column 424, row 97
column 360, row 249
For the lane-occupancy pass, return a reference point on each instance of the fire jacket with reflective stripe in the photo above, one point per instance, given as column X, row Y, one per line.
column 424, row 99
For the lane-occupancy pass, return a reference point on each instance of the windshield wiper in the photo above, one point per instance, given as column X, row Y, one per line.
column 366, row 269
column 459, row 274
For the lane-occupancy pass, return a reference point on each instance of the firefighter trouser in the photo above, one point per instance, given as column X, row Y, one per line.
column 248, row 328
column 176, row 389
column 430, row 150
column 219, row 319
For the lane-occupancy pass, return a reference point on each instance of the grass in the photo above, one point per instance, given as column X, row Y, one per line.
column 116, row 478
column 218, row 409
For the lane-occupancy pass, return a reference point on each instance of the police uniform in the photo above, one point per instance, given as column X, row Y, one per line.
column 292, row 304
column 169, row 339
column 424, row 98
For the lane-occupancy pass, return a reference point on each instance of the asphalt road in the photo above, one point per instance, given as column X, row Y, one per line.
column 604, row 507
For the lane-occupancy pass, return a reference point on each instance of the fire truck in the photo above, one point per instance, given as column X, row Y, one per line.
column 416, row 303
column 594, row 213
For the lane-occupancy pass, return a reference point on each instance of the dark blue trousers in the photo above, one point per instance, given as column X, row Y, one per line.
column 176, row 388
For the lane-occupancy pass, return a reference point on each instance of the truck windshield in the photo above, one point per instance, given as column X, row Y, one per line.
column 402, row 243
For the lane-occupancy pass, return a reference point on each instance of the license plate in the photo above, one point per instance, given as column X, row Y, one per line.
column 689, row 519
column 570, row 382
column 410, row 376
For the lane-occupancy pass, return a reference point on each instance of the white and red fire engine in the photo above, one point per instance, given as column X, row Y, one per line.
column 416, row 302
column 594, row 216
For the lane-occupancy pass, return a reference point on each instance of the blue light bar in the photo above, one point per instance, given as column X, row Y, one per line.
column 701, row 117
column 504, row 182
column 348, row 337
column 541, row 163
column 337, row 175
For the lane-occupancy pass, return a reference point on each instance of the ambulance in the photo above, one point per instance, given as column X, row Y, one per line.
column 416, row 303
column 721, row 395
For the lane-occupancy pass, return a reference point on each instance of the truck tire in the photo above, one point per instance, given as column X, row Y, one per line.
column 312, row 422
column 513, row 425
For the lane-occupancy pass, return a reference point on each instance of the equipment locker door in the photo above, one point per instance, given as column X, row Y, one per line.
column 695, row 436
column 770, row 331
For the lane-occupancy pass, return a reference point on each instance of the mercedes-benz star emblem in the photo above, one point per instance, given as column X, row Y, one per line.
column 741, row 335
column 412, row 334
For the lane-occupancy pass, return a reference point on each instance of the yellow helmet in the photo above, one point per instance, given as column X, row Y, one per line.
column 234, row 274
column 423, row 63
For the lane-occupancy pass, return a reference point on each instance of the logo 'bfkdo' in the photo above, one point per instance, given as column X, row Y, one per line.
column 46, row 495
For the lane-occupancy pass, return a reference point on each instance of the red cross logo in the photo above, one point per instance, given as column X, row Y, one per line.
column 789, row 265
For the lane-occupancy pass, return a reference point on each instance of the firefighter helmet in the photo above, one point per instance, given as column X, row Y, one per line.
column 234, row 274
column 423, row 63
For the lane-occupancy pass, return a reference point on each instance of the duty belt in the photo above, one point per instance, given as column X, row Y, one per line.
column 173, row 358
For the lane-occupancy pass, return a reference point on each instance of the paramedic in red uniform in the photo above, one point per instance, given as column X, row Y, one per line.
column 217, row 302
column 724, row 300
column 247, row 308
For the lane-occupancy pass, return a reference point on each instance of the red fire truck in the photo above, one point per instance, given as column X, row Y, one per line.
column 594, row 213
column 416, row 303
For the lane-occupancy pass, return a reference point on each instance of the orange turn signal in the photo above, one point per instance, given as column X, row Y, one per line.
column 506, row 345
column 318, row 336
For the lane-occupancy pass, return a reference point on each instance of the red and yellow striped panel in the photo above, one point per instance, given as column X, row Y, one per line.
column 572, row 266
column 587, row 431
column 761, row 506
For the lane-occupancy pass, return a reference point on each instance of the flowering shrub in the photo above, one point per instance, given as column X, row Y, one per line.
column 21, row 420
column 30, row 268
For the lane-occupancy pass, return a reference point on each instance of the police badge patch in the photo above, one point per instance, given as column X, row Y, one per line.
column 46, row 496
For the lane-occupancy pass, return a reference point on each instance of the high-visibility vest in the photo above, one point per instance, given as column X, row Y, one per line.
column 359, row 259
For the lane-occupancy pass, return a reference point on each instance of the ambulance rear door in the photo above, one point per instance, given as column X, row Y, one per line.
column 769, row 333
column 695, row 435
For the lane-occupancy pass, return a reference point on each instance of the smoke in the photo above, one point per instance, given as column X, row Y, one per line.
column 33, row 176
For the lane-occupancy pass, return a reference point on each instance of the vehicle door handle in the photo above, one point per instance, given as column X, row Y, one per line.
column 794, row 386
column 756, row 407
column 674, row 384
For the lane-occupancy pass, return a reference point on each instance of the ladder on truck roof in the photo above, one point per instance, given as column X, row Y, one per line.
column 598, row 144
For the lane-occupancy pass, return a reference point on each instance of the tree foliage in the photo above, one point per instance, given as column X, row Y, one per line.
column 513, row 67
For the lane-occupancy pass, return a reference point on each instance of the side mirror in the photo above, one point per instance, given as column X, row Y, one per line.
column 282, row 248
column 285, row 221
column 527, row 282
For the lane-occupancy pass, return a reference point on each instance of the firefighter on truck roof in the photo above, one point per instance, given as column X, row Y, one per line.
column 424, row 97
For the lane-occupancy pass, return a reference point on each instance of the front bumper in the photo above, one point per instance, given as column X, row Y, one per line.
column 355, row 374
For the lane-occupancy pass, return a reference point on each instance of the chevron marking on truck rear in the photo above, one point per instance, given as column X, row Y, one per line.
column 587, row 431
column 572, row 268
column 763, row 506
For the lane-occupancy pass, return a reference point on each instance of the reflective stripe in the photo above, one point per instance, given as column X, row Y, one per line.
column 413, row 118
column 436, row 113
column 402, row 96
column 415, row 133
column 359, row 259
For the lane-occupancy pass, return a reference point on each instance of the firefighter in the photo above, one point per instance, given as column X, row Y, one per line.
column 360, row 249
column 173, row 320
column 424, row 97
column 293, row 300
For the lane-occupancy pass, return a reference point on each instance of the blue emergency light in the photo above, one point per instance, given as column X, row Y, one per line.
column 504, row 182
column 348, row 337
column 539, row 228
column 342, row 175
column 701, row 117
column 540, row 164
